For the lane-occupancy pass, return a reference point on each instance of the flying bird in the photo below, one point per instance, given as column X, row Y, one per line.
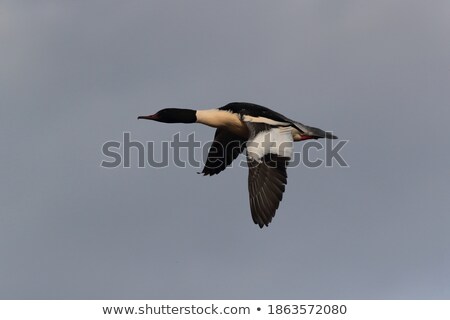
column 266, row 136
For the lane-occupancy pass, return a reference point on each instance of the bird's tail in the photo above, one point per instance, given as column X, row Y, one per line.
column 315, row 132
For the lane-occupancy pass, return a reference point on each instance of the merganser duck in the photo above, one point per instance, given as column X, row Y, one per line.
column 268, row 137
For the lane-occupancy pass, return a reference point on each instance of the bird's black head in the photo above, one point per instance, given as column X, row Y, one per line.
column 173, row 115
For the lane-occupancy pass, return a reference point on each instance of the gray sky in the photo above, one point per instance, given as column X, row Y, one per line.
column 74, row 75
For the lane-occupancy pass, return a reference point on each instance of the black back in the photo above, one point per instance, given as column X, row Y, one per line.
column 254, row 110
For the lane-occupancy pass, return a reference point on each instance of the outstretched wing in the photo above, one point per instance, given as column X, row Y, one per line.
column 266, row 183
column 268, row 152
column 224, row 149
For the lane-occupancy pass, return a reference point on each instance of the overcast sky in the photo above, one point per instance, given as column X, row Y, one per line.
column 75, row 74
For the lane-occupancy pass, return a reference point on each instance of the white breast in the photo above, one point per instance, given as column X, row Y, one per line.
column 222, row 119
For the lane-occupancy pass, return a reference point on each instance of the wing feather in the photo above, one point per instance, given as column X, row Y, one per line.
column 224, row 149
column 266, row 184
